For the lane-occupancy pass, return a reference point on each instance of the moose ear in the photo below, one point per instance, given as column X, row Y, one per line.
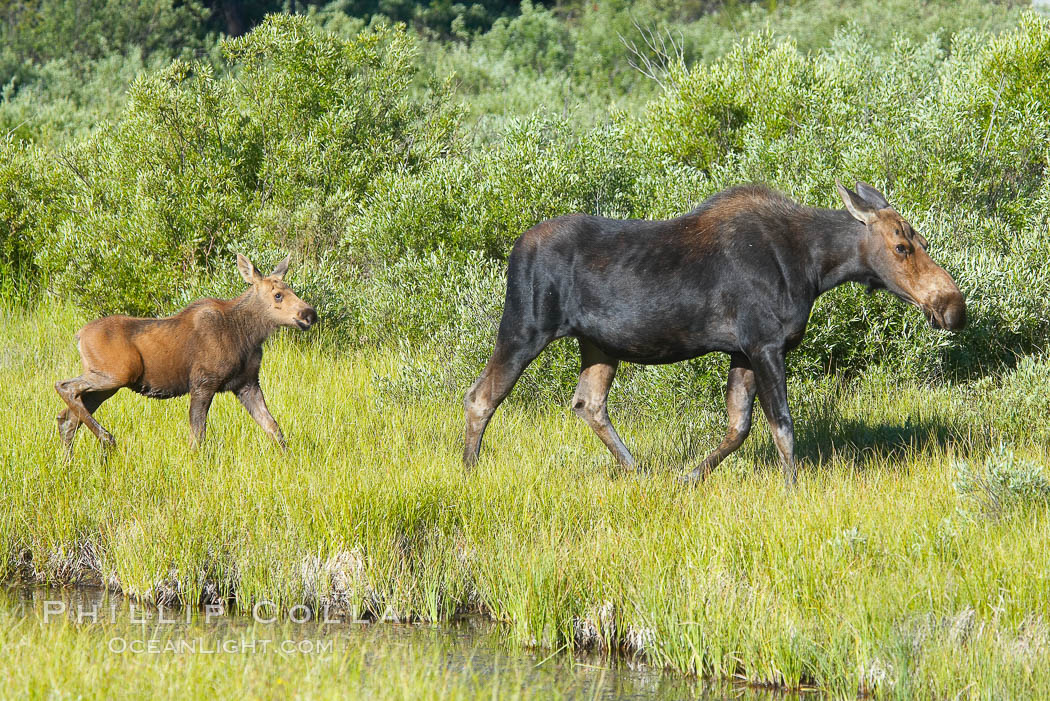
column 247, row 270
column 281, row 269
column 872, row 196
column 859, row 208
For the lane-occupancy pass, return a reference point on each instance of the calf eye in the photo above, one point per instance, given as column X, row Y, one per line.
column 278, row 297
column 902, row 249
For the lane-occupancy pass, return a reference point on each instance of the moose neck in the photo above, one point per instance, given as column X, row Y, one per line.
column 249, row 322
column 836, row 239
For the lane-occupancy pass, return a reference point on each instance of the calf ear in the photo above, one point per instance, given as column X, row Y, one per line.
column 281, row 269
column 872, row 196
column 247, row 270
column 859, row 208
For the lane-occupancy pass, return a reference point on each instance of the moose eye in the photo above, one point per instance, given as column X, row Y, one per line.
column 902, row 249
column 278, row 297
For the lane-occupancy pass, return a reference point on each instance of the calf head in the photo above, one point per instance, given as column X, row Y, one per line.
column 276, row 299
column 896, row 256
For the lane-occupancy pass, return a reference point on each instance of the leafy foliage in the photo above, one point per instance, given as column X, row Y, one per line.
column 35, row 32
column 916, row 121
column 338, row 140
column 27, row 199
column 1004, row 483
column 485, row 199
column 269, row 155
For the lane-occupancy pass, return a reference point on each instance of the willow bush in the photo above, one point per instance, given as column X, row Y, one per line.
column 335, row 147
column 956, row 134
column 267, row 155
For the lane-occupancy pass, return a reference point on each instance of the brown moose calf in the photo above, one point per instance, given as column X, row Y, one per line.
column 213, row 345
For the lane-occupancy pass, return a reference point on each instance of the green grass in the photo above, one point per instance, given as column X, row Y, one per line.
column 875, row 574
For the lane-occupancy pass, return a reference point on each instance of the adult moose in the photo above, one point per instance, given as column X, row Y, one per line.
column 211, row 346
column 739, row 274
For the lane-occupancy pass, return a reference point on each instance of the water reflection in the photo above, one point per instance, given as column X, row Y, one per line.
column 472, row 645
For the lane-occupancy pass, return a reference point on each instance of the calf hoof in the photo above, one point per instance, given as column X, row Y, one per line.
column 108, row 441
column 66, row 435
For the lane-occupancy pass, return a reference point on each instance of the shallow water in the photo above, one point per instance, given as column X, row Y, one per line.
column 470, row 646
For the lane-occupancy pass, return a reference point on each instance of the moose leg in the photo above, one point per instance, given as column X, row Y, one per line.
column 740, row 402
column 768, row 364
column 508, row 361
column 251, row 397
column 83, row 395
column 589, row 402
column 200, row 402
column 68, row 423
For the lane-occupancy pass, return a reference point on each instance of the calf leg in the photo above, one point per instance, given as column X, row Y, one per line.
column 68, row 423
column 772, row 393
column 251, row 397
column 200, row 402
column 508, row 361
column 83, row 395
column 740, row 402
column 597, row 371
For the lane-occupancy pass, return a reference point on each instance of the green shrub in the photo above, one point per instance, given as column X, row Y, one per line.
column 1022, row 396
column 67, row 99
column 484, row 200
column 1003, row 484
column 442, row 18
column 535, row 41
column 34, row 33
column 273, row 154
column 341, row 149
column 755, row 91
column 155, row 196
column 29, row 207
column 587, row 68
column 916, row 121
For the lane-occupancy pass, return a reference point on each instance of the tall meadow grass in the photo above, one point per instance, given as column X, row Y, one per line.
column 875, row 575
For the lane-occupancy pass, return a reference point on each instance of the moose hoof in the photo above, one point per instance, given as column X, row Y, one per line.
column 633, row 468
column 108, row 441
column 694, row 477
